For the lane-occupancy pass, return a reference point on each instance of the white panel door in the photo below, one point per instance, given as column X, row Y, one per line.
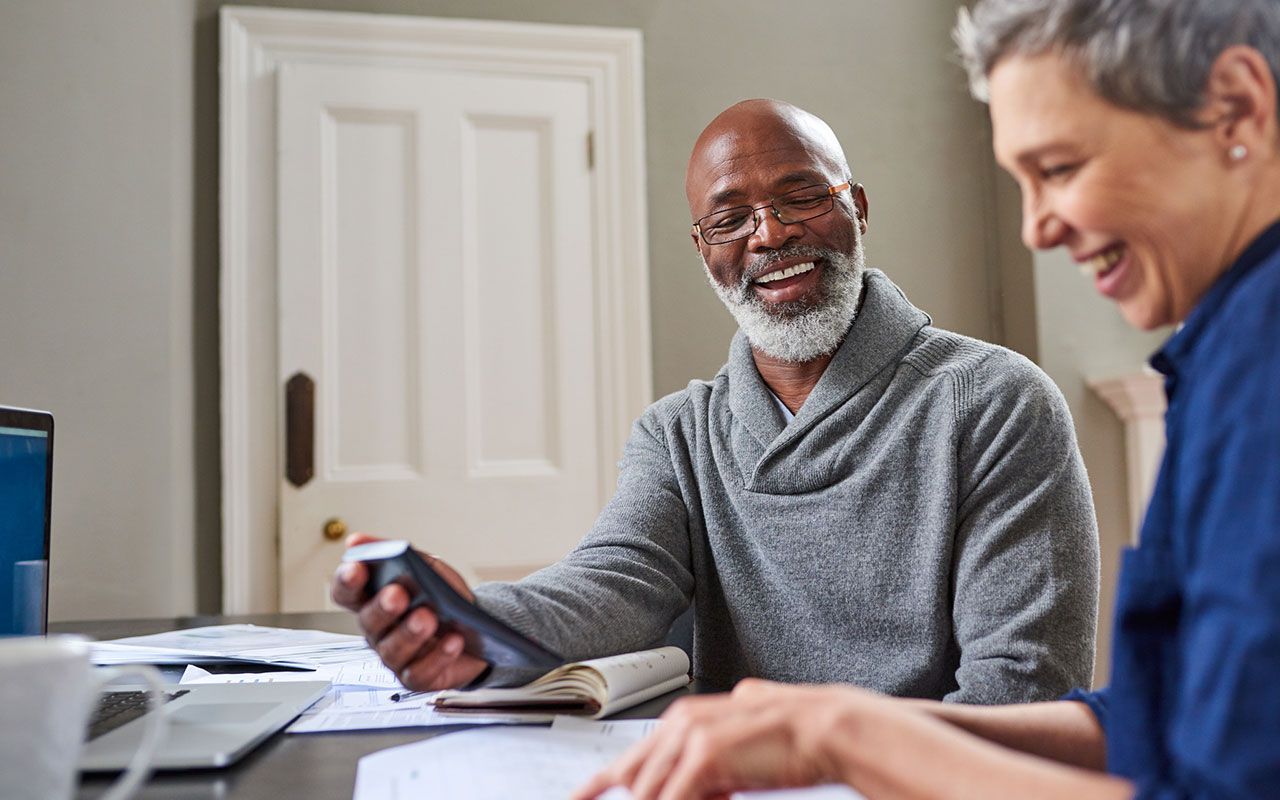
column 435, row 281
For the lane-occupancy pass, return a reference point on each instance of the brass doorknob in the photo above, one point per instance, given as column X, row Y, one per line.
column 335, row 529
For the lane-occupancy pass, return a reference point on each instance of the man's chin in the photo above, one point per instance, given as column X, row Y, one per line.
column 785, row 312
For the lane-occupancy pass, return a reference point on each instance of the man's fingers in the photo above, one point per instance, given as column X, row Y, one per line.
column 450, row 576
column 380, row 613
column 463, row 671
column 429, row 666
column 403, row 642
column 362, row 538
column 347, row 587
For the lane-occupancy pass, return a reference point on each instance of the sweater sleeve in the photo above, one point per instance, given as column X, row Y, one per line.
column 622, row 586
column 1025, row 564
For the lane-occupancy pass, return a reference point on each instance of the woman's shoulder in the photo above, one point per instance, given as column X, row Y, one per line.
column 1250, row 317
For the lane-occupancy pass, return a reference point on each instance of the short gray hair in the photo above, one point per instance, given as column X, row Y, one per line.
column 1150, row 56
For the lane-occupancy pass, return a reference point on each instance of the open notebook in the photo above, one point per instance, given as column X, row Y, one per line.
column 595, row 688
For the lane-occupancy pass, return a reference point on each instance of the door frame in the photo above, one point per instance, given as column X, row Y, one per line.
column 255, row 43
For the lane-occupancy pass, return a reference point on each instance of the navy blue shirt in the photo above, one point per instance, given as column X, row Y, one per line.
column 1193, row 710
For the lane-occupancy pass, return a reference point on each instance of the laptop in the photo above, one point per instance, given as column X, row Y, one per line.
column 210, row 725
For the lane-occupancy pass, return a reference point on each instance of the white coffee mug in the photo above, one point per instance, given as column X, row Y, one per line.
column 48, row 688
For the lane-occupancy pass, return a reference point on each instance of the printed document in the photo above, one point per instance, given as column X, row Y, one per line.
column 530, row 763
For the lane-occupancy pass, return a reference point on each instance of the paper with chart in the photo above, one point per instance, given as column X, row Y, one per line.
column 359, row 700
column 529, row 763
column 341, row 711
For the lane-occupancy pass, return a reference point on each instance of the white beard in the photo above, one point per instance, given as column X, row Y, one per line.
column 796, row 332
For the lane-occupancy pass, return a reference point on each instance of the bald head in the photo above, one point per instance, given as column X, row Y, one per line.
column 755, row 132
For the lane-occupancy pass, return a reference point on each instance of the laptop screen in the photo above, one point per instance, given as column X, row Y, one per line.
column 24, row 524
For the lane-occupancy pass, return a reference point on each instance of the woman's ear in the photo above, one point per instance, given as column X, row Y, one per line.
column 1240, row 102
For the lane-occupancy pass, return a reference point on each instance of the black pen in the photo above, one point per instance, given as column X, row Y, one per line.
column 398, row 696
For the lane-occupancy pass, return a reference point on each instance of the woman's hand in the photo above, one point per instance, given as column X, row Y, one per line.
column 763, row 735
column 773, row 736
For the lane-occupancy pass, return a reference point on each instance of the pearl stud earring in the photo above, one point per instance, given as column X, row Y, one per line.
column 1238, row 152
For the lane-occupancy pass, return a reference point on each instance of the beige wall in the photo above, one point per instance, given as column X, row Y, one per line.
column 1081, row 336
column 107, row 305
column 108, row 240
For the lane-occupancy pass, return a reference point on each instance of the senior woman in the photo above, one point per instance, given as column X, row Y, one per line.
column 1144, row 137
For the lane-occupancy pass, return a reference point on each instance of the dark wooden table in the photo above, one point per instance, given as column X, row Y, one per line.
column 314, row 766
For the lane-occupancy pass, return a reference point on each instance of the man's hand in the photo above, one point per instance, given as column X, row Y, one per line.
column 407, row 643
column 762, row 736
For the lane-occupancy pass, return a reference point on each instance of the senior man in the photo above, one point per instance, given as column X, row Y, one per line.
column 857, row 496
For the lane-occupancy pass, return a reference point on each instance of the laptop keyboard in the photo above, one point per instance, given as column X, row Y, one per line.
column 118, row 708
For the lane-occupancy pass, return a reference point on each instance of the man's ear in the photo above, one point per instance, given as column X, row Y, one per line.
column 697, row 242
column 1240, row 100
column 861, row 206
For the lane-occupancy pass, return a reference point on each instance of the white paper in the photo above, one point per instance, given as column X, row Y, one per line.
column 632, row 730
column 349, row 708
column 351, row 698
column 340, row 715
column 530, row 763
column 488, row 764
column 283, row 646
column 369, row 673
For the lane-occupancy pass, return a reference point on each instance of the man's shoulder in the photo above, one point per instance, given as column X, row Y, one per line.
column 980, row 372
column 664, row 411
column 941, row 352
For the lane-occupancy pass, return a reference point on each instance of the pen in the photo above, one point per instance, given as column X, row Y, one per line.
column 398, row 696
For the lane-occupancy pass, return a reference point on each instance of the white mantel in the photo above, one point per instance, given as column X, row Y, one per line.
column 1138, row 400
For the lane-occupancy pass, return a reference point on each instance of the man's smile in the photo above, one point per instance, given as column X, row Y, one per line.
column 790, row 282
column 786, row 272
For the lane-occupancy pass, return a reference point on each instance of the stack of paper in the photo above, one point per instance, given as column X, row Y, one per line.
column 359, row 699
column 242, row 643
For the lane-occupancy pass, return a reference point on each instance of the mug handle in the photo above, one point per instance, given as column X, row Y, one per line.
column 139, row 768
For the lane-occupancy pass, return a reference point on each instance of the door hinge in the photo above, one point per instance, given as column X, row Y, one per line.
column 591, row 149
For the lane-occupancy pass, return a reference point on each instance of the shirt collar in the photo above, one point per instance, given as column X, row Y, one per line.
column 1178, row 349
column 885, row 325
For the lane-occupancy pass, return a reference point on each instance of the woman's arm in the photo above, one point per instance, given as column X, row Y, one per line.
column 1066, row 732
column 889, row 748
column 769, row 735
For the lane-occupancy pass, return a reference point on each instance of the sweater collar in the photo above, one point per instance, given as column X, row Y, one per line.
column 885, row 325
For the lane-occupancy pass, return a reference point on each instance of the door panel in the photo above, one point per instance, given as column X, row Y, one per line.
column 436, row 281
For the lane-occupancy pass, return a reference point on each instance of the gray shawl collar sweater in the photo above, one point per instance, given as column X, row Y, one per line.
column 923, row 527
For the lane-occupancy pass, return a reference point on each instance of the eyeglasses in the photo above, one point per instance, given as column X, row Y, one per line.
column 739, row 222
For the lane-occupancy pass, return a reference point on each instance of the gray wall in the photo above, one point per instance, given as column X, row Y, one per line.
column 108, row 230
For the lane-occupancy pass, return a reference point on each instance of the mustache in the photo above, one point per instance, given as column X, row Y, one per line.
column 766, row 262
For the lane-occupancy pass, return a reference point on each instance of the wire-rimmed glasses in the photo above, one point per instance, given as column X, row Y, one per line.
column 739, row 222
